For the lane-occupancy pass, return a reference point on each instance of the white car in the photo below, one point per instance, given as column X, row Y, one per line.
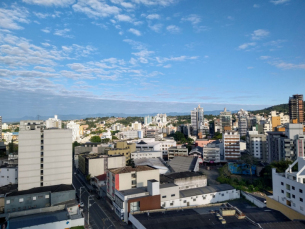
column 81, row 205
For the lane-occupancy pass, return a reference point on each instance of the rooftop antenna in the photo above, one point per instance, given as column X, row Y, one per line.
column 38, row 116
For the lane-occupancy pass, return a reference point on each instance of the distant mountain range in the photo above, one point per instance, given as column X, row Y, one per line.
column 75, row 116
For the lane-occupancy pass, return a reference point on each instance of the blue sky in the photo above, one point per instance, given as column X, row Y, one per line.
column 145, row 56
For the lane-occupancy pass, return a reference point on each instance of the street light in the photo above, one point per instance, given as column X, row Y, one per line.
column 89, row 206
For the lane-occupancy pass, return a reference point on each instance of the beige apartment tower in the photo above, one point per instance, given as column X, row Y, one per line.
column 44, row 156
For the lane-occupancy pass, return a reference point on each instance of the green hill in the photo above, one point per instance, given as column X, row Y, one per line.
column 279, row 108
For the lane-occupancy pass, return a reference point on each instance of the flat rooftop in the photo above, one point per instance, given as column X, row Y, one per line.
column 205, row 190
column 134, row 191
column 37, row 219
column 169, row 178
column 128, row 169
column 53, row 188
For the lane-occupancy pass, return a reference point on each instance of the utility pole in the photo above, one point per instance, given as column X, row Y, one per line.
column 80, row 193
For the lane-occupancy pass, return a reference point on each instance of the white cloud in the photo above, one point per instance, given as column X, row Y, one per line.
column 230, row 18
column 123, row 17
column 173, row 29
column 259, row 34
column 206, row 56
column 167, row 66
column 143, row 53
column 178, row 58
column 42, row 15
column 63, row 33
column 95, row 8
column 155, row 2
column 246, row 45
column 47, row 69
column 10, row 17
column 61, row 3
column 250, row 67
column 153, row 16
column 133, row 61
column 264, row 57
column 193, row 18
column 46, row 30
column 256, row 6
column 157, row 27
column 135, row 32
column 127, row 5
column 284, row 65
column 277, row 2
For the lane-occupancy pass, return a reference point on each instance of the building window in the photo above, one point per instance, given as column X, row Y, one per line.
column 184, row 201
column 163, row 196
column 293, row 196
column 287, row 186
column 172, row 195
column 301, row 208
column 172, row 203
column 293, row 188
column 301, row 199
column 282, row 183
column 8, row 202
column 20, row 200
column 47, row 196
column 282, row 191
column 287, row 194
column 301, row 191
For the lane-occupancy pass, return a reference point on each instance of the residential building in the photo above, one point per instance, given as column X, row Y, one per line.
column 203, row 142
column 242, row 122
column 146, row 154
column 136, row 126
column 75, row 130
column 8, row 174
column 147, row 120
column 38, row 153
column 130, row 134
column 296, row 108
column 4, row 126
column 182, row 164
column 225, row 120
column 197, row 119
column 105, row 135
column 231, row 145
column 211, row 154
column 127, row 178
column 151, row 133
column 0, row 128
column 275, row 145
column 177, row 151
column 160, row 119
column 184, row 180
column 53, row 122
column 257, row 145
column 122, row 148
column 97, row 164
column 145, row 145
column 289, row 190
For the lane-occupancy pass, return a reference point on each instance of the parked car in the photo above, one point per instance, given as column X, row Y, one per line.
column 81, row 205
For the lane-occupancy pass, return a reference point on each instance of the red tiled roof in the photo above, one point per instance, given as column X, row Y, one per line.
column 101, row 177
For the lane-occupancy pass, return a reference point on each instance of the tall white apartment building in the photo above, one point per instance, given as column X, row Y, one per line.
column 225, row 119
column 136, row 126
column 44, row 156
column 197, row 119
column 75, row 130
column 4, row 126
column 257, row 145
column 231, row 145
column 242, row 122
column 148, row 120
column 53, row 122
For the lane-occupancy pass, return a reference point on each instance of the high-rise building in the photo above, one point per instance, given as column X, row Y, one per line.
column 75, row 130
column 147, row 120
column 257, row 145
column 242, row 122
column 0, row 128
column 225, row 120
column 197, row 119
column 53, row 122
column 44, row 156
column 296, row 108
column 231, row 145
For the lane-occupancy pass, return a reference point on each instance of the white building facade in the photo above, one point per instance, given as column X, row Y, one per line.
column 146, row 154
column 75, row 130
column 8, row 175
column 53, row 122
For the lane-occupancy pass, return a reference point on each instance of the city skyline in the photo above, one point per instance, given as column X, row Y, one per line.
column 158, row 56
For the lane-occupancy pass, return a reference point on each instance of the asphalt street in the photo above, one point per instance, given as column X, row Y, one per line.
column 97, row 217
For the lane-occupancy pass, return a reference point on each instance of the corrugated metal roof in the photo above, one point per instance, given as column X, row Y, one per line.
column 205, row 190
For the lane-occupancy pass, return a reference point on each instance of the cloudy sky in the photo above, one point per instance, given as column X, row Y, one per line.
column 142, row 56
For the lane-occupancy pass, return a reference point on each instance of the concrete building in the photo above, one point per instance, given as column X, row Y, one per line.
column 197, row 119
column 97, row 164
column 4, row 126
column 242, row 122
column 136, row 126
column 151, row 133
column 177, row 151
column 38, row 153
column 147, row 120
column 127, row 178
column 145, row 145
column 182, row 164
column 75, row 130
column 146, row 154
column 231, row 145
column 274, row 140
column 203, row 142
column 130, row 134
column 296, row 108
column 0, row 128
column 289, row 190
column 53, row 122
column 122, row 148
column 8, row 175
column 160, row 119
column 211, row 154
column 225, row 120
column 185, row 180
column 38, row 197
column 257, row 145
column 157, row 163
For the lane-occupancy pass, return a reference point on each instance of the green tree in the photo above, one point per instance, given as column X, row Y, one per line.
column 88, row 177
column 95, row 139
column 131, row 163
column 178, row 136
column 74, row 144
column 114, row 138
column 105, row 140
